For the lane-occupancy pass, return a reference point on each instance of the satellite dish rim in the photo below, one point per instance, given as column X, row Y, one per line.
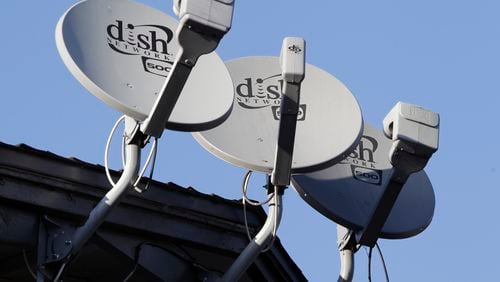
column 200, row 126
column 356, row 227
column 87, row 83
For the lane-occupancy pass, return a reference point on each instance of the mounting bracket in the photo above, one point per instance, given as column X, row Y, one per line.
column 54, row 244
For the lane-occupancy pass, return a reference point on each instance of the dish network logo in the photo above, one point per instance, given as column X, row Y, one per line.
column 149, row 41
column 363, row 164
column 264, row 92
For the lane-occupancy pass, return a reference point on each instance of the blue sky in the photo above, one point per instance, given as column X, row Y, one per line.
column 443, row 55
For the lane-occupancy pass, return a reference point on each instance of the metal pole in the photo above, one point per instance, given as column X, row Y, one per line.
column 250, row 253
column 346, row 253
column 111, row 199
column 346, row 266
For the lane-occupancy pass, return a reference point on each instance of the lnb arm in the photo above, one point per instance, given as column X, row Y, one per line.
column 202, row 25
column 415, row 135
column 292, row 61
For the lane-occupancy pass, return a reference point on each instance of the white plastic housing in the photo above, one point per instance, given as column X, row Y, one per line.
column 216, row 14
column 292, row 59
column 177, row 6
column 413, row 124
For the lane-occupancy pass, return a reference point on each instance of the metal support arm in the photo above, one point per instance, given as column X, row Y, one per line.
column 289, row 111
column 110, row 200
column 252, row 250
column 293, row 71
column 71, row 245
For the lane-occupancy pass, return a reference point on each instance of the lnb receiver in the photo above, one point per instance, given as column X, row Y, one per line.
column 292, row 59
column 415, row 125
column 210, row 17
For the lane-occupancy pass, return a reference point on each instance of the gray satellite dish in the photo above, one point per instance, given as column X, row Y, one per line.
column 122, row 52
column 329, row 123
column 349, row 191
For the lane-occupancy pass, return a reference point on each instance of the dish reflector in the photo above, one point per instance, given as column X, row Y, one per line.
column 348, row 192
column 122, row 52
column 329, row 122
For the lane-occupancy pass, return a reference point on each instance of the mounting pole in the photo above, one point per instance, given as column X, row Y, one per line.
column 112, row 198
column 292, row 61
column 261, row 240
column 415, row 135
column 347, row 247
column 202, row 25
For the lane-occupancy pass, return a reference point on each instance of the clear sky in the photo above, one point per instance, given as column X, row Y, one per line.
column 443, row 55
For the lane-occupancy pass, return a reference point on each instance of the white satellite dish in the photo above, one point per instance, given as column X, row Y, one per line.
column 348, row 192
column 380, row 190
column 287, row 117
column 127, row 55
column 122, row 52
column 329, row 123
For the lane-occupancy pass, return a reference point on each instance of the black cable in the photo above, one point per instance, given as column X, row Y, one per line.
column 26, row 262
column 153, row 161
column 370, row 264
column 383, row 262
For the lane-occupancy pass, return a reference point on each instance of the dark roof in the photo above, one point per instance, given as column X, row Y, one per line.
column 206, row 231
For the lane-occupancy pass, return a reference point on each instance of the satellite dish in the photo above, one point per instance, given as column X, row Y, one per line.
column 122, row 52
column 348, row 192
column 125, row 54
column 329, row 123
